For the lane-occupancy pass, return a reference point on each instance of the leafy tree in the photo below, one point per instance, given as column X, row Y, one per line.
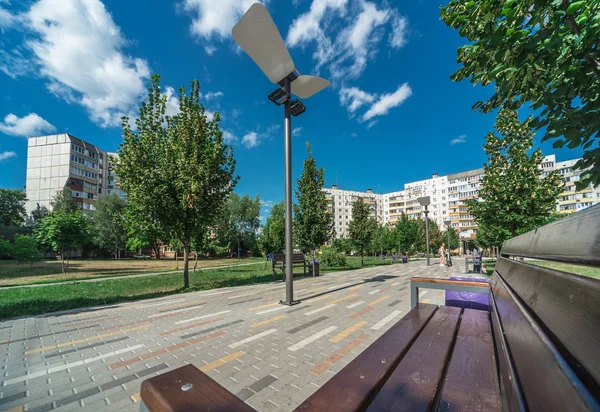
column 142, row 232
column 63, row 202
column 312, row 223
column 63, row 232
column 342, row 245
column 177, row 169
column 515, row 197
column 37, row 214
column 109, row 223
column 543, row 54
column 383, row 239
column 12, row 208
column 361, row 228
column 405, row 234
column 273, row 238
column 6, row 249
column 238, row 223
column 25, row 249
column 454, row 238
column 435, row 236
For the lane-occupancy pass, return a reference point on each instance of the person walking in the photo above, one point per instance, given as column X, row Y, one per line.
column 442, row 252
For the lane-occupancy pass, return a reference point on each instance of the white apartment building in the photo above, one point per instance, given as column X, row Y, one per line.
column 58, row 161
column 448, row 195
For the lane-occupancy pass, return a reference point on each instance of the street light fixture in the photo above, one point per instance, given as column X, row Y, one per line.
column 258, row 36
column 426, row 201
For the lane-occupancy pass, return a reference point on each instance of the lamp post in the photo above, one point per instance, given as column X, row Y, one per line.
column 258, row 36
column 447, row 223
column 426, row 201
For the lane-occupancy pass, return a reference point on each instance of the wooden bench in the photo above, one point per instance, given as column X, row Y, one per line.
column 536, row 349
column 279, row 263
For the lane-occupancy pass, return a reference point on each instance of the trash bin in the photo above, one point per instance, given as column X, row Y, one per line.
column 313, row 268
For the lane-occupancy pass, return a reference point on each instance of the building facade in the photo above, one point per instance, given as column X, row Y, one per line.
column 448, row 195
column 58, row 161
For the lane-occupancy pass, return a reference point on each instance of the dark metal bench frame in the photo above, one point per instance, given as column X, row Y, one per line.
column 279, row 262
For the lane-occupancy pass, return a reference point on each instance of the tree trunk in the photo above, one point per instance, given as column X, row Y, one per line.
column 196, row 262
column 156, row 250
column 186, row 256
column 62, row 262
column 362, row 258
column 176, row 260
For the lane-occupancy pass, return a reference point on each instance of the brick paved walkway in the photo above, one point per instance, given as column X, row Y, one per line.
column 269, row 355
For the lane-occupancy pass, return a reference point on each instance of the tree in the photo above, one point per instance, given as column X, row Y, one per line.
column 63, row 201
column 25, row 249
column 514, row 195
column 238, row 223
column 12, row 209
column 141, row 231
column 273, row 238
column 405, row 234
column 63, row 232
column 177, row 169
column 37, row 214
column 382, row 239
column 435, row 236
column 544, row 54
column 312, row 222
column 454, row 238
column 361, row 227
column 109, row 223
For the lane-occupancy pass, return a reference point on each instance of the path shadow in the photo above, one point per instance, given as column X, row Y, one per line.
column 379, row 278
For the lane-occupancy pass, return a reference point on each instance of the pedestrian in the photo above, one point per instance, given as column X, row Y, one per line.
column 442, row 252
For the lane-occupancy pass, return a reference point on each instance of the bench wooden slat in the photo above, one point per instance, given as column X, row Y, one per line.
column 568, row 305
column 163, row 393
column 412, row 386
column 575, row 238
column 353, row 386
column 448, row 282
column 547, row 381
column 471, row 382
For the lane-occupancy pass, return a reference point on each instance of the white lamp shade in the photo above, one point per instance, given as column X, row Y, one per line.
column 258, row 36
column 305, row 86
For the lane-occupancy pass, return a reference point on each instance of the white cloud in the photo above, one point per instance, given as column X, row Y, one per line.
column 7, row 155
column 354, row 134
column 26, row 126
column 388, row 101
column 296, row 131
column 79, row 50
column 372, row 123
column 250, row 140
column 209, row 115
column 212, row 95
column 210, row 50
column 267, row 203
column 228, row 137
column 398, row 37
column 346, row 38
column 353, row 98
column 7, row 19
column 460, row 139
column 215, row 18
column 172, row 101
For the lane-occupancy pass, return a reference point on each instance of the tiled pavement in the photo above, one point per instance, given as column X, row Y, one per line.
column 269, row 355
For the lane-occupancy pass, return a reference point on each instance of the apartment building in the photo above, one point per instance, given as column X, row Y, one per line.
column 340, row 203
column 448, row 195
column 58, row 161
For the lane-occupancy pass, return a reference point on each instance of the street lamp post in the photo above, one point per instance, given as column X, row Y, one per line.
column 426, row 201
column 447, row 223
column 258, row 36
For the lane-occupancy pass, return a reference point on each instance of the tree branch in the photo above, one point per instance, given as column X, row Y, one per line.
column 591, row 61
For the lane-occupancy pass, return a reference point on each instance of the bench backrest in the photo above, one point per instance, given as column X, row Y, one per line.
column 546, row 322
column 280, row 257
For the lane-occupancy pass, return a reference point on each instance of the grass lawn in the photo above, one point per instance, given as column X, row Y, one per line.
column 592, row 272
column 49, row 271
column 36, row 300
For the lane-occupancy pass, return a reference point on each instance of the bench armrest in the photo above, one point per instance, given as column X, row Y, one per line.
column 444, row 284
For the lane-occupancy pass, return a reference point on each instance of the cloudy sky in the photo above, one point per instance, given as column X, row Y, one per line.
column 391, row 115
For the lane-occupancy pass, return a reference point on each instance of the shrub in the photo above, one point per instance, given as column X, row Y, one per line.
column 334, row 259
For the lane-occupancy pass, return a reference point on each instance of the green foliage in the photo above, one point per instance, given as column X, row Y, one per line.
column 238, row 223
column 12, row 207
column 176, row 169
column 312, row 223
column 6, row 249
column 515, row 198
column 383, row 239
column 454, row 238
column 435, row 236
column 405, row 234
column 273, row 238
column 109, row 223
column 141, row 231
column 342, row 245
column 36, row 215
column 63, row 232
column 361, row 227
column 63, row 202
column 543, row 54
column 25, row 249
column 333, row 259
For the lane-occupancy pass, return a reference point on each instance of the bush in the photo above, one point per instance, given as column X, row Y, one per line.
column 333, row 259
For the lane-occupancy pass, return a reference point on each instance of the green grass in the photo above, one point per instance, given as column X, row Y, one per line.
column 36, row 300
column 587, row 271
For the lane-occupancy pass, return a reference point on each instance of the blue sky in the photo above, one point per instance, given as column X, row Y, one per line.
column 392, row 115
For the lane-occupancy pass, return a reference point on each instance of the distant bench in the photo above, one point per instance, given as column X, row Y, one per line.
column 279, row 263
column 536, row 349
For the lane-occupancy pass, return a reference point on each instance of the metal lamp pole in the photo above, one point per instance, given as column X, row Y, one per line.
column 289, row 245
column 427, row 232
